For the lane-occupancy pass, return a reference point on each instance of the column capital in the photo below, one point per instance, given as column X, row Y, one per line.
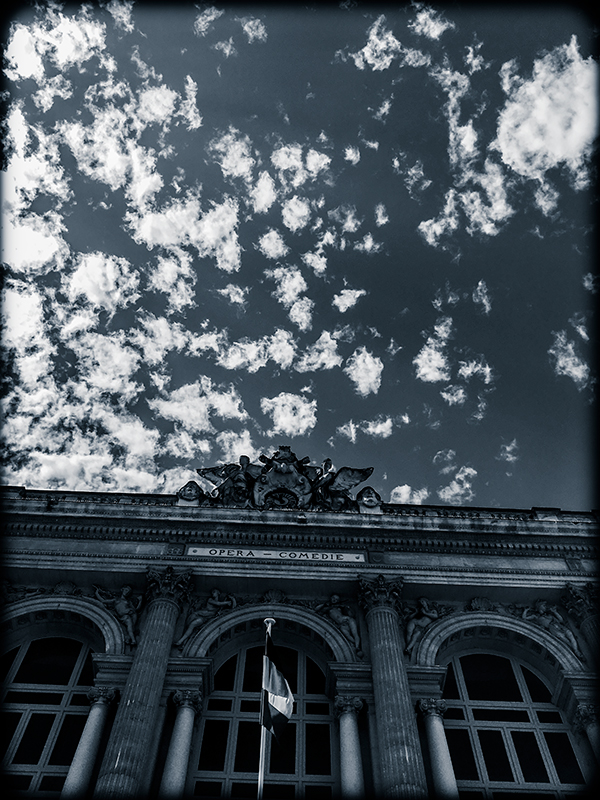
column 168, row 584
column 431, row 706
column 101, row 694
column 346, row 703
column 380, row 592
column 189, row 698
column 581, row 601
column 586, row 714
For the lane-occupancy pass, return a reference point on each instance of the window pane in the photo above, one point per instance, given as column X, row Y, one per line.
column 49, row 661
column 207, row 789
column 52, row 783
column 250, row 706
column 317, row 708
column 564, row 758
column 253, row 670
column 530, row 758
column 500, row 714
column 489, row 677
column 454, row 713
column 225, row 676
column 283, row 752
column 214, row 745
column 34, row 739
column 219, row 704
column 8, row 725
column 279, row 791
column 35, row 698
column 86, row 676
column 537, row 689
column 312, row 792
column 247, row 750
column 6, row 663
column 315, row 678
column 549, row 716
column 461, row 754
column 318, row 752
column 450, row 686
column 248, row 790
column 68, row 739
column 287, row 664
column 494, row 755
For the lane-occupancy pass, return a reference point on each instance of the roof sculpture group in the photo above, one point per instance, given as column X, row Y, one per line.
column 282, row 481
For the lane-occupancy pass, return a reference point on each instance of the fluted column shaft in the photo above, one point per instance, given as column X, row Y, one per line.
column 126, row 760
column 442, row 771
column 351, row 770
column 82, row 766
column 402, row 770
column 176, row 766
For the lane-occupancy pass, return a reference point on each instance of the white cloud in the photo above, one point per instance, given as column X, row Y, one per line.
column 578, row 321
column 445, row 458
column 156, row 103
column 252, row 355
column 481, row 296
column 551, row 119
column 300, row 313
column 347, row 298
column 316, row 162
column 431, row 363
column 191, row 405
column 345, row 215
column 380, row 428
column 447, row 222
column 381, row 217
column 509, row 452
column 203, row 22
column 565, row 361
column 34, row 245
column 352, row 154
column 157, row 336
column 287, row 159
column 460, row 488
column 590, row 282
column 120, row 10
column 233, row 152
column 290, row 284
column 429, row 22
column 296, row 213
column 272, row 246
column 349, row 430
column 454, row 395
column 381, row 49
column 316, row 262
column 263, row 193
column 254, row 29
column 406, row 495
column 237, row 295
column 364, row 370
column 322, row 354
column 174, row 277
column 368, row 245
column 226, row 47
column 478, row 367
column 291, row 414
column 234, row 444
column 105, row 281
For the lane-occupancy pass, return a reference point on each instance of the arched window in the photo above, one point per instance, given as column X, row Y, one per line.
column 505, row 736
column 45, row 707
column 225, row 761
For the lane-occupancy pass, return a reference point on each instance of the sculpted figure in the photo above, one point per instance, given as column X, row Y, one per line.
column 331, row 491
column 198, row 615
column 190, row 493
column 125, row 608
column 234, row 481
column 369, row 501
column 343, row 618
column 419, row 619
column 549, row 617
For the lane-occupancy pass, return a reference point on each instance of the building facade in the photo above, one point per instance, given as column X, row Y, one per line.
column 432, row 651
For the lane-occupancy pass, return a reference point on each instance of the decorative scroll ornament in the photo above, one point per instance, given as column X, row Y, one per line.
column 125, row 607
column 200, row 612
column 168, row 584
column 282, row 481
column 380, row 592
column 344, row 704
column 432, row 706
column 101, row 694
column 586, row 714
column 188, row 697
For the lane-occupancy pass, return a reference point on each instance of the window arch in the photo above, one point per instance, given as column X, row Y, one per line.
column 224, row 761
column 506, row 737
column 45, row 707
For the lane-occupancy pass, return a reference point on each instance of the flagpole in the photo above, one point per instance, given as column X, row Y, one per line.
column 263, row 731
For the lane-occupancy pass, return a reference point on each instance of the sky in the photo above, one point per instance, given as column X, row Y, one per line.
column 365, row 231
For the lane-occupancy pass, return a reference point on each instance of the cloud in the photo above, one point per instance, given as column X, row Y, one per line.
column 364, row 370
column 508, row 452
column 565, row 361
column 250, row 354
column 237, row 295
column 445, row 458
column 316, row 261
column 481, row 297
column 290, row 284
column 590, row 282
column 157, row 336
column 174, row 277
column 347, row 298
column 578, row 321
column 192, row 405
column 263, row 193
column 295, row 213
column 352, row 154
column 454, row 395
column 203, row 22
column 272, row 246
column 291, row 414
column 226, row 47
column 34, row 244
column 431, row 363
column 429, row 22
column 550, row 120
column 254, row 29
column 233, row 152
column 234, row 444
column 478, row 367
column 121, row 10
column 381, row 217
column 460, row 489
column 322, row 354
column 446, row 223
column 380, row 428
column 406, row 495
column 368, row 245
column 381, row 50
column 105, row 281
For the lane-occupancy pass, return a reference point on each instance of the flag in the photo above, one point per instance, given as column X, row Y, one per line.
column 277, row 700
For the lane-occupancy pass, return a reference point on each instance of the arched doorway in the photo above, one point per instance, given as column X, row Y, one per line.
column 224, row 759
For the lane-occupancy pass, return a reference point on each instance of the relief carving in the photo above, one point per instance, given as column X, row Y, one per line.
column 417, row 619
column 200, row 612
column 550, row 618
column 342, row 617
column 124, row 606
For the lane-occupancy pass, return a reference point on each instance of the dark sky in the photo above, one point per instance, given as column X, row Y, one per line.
column 364, row 231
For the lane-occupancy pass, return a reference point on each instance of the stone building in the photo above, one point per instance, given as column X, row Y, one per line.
column 432, row 651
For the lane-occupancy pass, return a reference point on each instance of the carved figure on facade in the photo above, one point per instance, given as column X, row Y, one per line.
column 125, row 606
column 550, row 618
column 200, row 612
column 417, row 619
column 369, row 501
column 192, row 494
column 11, row 594
column 485, row 604
column 343, row 618
column 284, row 481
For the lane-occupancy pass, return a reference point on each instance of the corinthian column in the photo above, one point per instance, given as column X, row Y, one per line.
column 175, row 771
column 442, row 771
column 402, row 771
column 586, row 718
column 125, row 765
column 582, row 603
column 80, row 771
column 351, row 771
